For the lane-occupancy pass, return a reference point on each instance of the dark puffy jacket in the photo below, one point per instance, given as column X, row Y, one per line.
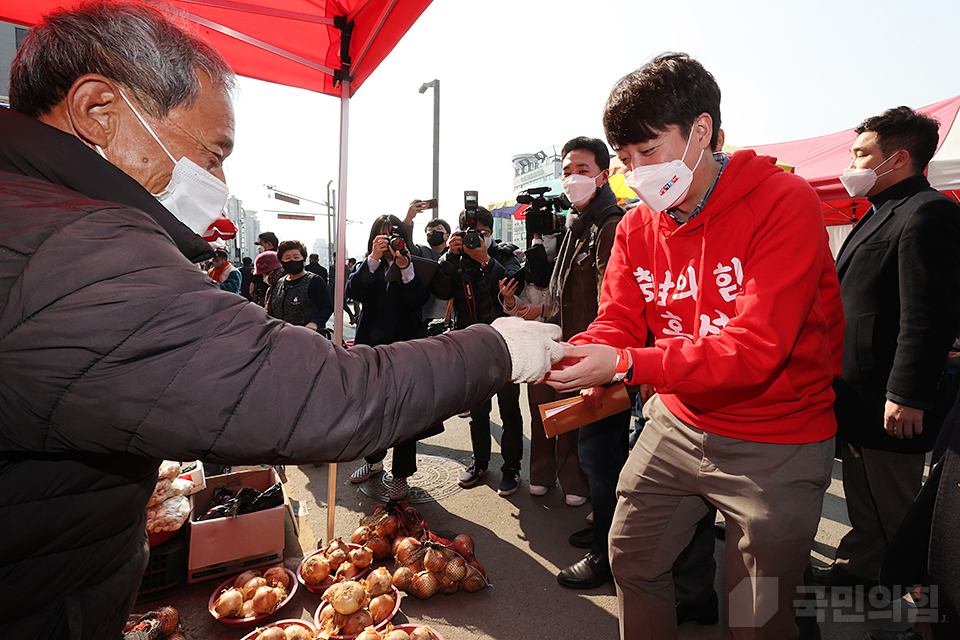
column 475, row 291
column 117, row 353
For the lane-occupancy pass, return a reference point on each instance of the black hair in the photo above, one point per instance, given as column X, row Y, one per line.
column 903, row 128
column 271, row 237
column 483, row 217
column 221, row 253
column 290, row 245
column 671, row 89
column 595, row 146
column 247, row 261
column 395, row 225
column 436, row 221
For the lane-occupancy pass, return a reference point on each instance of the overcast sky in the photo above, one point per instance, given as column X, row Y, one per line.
column 517, row 76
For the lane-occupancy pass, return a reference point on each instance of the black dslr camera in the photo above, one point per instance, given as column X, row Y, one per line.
column 397, row 243
column 471, row 237
column 544, row 214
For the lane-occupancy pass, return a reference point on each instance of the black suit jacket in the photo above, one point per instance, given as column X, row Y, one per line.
column 900, row 285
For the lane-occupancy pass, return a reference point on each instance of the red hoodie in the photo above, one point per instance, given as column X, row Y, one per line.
column 744, row 304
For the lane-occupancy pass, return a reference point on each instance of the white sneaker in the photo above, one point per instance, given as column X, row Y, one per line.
column 590, row 517
column 366, row 472
column 575, row 500
column 538, row 490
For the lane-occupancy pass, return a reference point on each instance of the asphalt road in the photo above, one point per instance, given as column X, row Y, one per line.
column 522, row 541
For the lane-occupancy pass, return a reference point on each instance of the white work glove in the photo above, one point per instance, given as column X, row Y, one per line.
column 533, row 347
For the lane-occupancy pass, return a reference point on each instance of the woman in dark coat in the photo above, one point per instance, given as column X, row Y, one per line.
column 392, row 297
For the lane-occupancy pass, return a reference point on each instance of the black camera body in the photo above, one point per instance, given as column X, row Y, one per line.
column 471, row 238
column 470, row 235
column 397, row 242
column 544, row 213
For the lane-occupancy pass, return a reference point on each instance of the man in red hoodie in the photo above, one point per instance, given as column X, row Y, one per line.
column 727, row 265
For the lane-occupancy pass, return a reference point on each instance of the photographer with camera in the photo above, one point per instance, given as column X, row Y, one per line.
column 436, row 312
column 393, row 296
column 469, row 273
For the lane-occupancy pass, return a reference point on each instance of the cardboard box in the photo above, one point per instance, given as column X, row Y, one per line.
column 222, row 545
column 227, row 569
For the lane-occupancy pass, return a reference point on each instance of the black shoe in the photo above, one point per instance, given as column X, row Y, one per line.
column 906, row 634
column 589, row 573
column 836, row 576
column 703, row 614
column 582, row 539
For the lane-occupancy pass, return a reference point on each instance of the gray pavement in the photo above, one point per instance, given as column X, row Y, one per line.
column 522, row 541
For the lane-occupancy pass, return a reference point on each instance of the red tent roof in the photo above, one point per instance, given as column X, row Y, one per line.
column 821, row 160
column 290, row 42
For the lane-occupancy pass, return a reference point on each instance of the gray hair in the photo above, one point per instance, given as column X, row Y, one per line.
column 134, row 45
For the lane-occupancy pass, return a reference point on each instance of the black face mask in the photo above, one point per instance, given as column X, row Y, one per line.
column 435, row 239
column 292, row 267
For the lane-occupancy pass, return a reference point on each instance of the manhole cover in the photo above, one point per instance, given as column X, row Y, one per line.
column 436, row 478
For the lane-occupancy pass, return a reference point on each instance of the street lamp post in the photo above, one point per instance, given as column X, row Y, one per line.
column 436, row 135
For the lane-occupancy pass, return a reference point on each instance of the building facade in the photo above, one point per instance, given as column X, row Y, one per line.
column 11, row 35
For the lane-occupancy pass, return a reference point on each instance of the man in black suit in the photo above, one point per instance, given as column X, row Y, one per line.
column 900, row 285
column 316, row 267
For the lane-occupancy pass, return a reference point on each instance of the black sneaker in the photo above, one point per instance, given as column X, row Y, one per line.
column 472, row 475
column 509, row 483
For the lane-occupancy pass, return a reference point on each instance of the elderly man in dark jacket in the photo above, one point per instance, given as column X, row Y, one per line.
column 118, row 352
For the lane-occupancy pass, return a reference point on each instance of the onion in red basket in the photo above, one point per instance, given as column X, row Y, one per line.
column 381, row 607
column 361, row 558
column 357, row 622
column 370, row 633
column 266, row 599
column 244, row 577
column 277, row 576
column 251, row 587
column 347, row 598
column 228, row 604
column 272, row 633
column 422, row 633
column 315, row 569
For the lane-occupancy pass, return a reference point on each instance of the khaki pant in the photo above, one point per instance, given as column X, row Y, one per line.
column 770, row 495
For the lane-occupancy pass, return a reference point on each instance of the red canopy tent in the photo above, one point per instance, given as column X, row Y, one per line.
column 329, row 46
column 821, row 160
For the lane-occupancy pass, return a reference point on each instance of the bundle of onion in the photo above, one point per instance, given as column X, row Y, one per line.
column 430, row 568
column 335, row 563
column 254, row 598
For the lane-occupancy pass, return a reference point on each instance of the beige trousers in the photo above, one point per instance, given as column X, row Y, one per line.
column 770, row 495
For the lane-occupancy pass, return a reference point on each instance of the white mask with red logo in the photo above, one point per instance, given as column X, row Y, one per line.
column 661, row 186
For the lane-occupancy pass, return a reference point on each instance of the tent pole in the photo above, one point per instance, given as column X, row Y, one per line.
column 339, row 261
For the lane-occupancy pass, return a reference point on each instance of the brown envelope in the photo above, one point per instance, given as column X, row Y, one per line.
column 573, row 413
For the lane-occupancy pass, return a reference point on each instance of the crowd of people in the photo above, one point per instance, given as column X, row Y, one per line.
column 757, row 358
